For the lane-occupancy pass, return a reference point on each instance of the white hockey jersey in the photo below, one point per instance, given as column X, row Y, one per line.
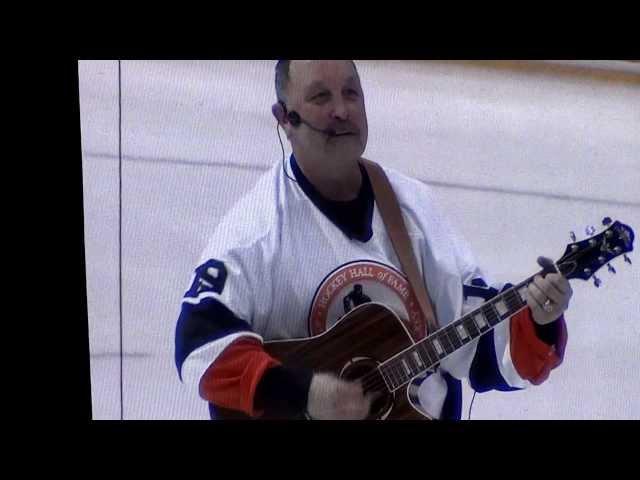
column 278, row 263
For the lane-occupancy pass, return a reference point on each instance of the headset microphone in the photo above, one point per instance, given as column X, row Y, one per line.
column 296, row 120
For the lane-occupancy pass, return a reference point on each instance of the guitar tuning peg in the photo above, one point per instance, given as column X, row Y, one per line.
column 572, row 236
column 590, row 230
column 597, row 282
column 606, row 221
column 627, row 259
column 611, row 269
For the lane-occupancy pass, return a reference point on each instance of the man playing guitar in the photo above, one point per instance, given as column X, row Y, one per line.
column 307, row 244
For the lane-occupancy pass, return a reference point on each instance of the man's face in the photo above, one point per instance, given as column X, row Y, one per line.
column 327, row 94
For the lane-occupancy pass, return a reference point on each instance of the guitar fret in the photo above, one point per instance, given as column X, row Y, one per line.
column 404, row 363
column 522, row 299
column 500, row 306
column 429, row 353
column 418, row 360
column 400, row 371
column 459, row 338
column 518, row 302
column 422, row 353
column 490, row 314
column 453, row 336
column 462, row 332
column 396, row 373
column 451, row 346
column 519, row 299
column 392, row 375
column 439, row 350
column 522, row 293
column 480, row 322
column 433, row 352
column 385, row 375
column 471, row 326
column 411, row 360
column 445, row 342
column 510, row 301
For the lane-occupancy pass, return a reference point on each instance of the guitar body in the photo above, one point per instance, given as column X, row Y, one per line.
column 351, row 349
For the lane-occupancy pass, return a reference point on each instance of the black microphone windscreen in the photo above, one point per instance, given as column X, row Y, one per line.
column 294, row 118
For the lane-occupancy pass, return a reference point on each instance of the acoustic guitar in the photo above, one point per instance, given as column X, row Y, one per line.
column 371, row 344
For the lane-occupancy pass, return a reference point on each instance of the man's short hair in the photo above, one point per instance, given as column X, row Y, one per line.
column 282, row 78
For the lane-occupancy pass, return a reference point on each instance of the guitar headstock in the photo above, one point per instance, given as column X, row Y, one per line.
column 582, row 259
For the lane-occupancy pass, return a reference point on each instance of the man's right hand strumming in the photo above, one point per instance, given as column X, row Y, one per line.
column 331, row 398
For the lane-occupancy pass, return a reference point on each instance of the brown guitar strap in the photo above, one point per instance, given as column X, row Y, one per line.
column 397, row 230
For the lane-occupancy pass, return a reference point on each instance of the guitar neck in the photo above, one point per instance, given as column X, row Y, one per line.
column 424, row 355
column 580, row 261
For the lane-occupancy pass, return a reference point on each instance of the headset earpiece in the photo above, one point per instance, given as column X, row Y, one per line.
column 279, row 111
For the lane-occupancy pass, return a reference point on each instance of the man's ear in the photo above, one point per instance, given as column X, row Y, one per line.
column 278, row 111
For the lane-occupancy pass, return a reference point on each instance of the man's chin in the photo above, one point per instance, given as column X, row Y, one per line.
column 344, row 136
column 341, row 142
column 350, row 149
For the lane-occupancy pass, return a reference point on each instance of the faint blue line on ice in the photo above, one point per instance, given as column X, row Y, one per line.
column 438, row 184
column 179, row 161
column 531, row 193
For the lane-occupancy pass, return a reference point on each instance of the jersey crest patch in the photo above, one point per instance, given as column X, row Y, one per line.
column 364, row 281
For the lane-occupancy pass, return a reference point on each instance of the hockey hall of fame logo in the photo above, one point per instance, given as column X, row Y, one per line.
column 360, row 282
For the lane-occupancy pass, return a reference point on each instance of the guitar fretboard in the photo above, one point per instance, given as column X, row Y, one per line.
column 422, row 356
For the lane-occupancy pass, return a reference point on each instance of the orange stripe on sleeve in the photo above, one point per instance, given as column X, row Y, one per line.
column 231, row 381
column 532, row 358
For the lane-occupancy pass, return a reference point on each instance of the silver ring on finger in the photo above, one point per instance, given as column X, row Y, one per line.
column 548, row 305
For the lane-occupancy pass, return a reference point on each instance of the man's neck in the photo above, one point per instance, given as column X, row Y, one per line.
column 337, row 179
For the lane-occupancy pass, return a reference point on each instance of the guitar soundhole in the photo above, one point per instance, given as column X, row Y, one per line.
column 365, row 369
